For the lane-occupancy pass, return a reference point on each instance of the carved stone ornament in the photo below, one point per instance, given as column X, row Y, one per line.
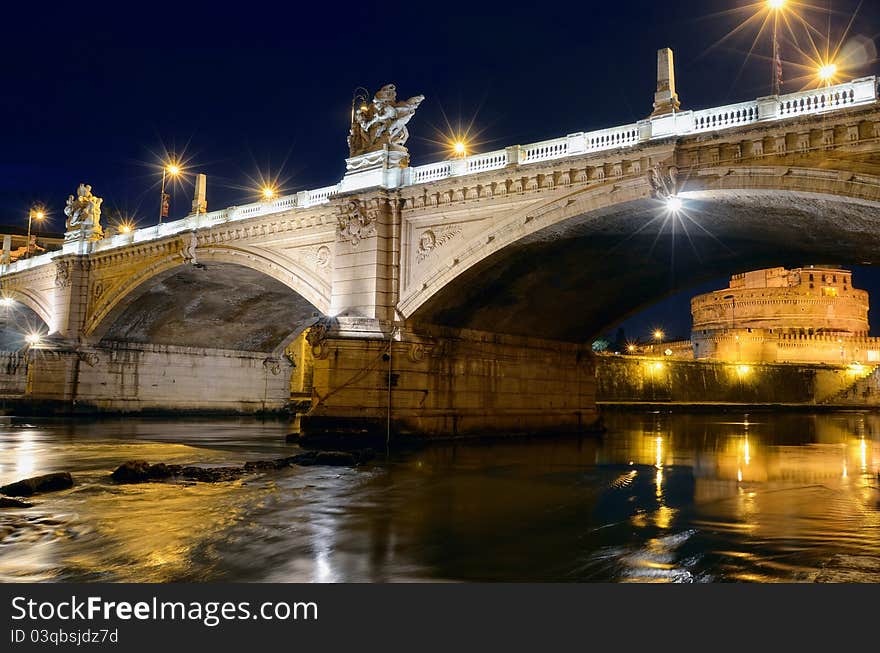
column 322, row 256
column 83, row 215
column 418, row 351
column 382, row 122
column 62, row 274
column 317, row 334
column 355, row 222
column 429, row 241
column 189, row 251
column 272, row 365
column 90, row 358
column 663, row 180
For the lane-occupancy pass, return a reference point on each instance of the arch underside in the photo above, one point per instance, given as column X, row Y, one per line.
column 219, row 306
column 581, row 276
column 16, row 322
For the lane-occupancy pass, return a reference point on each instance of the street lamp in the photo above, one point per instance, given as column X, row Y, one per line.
column 459, row 148
column 268, row 192
column 827, row 73
column 171, row 170
column 34, row 214
column 359, row 101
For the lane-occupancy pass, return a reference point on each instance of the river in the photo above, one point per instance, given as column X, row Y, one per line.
column 699, row 497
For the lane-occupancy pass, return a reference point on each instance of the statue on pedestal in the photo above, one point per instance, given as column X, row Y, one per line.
column 83, row 215
column 382, row 123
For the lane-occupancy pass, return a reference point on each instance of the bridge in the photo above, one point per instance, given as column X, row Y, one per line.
column 451, row 298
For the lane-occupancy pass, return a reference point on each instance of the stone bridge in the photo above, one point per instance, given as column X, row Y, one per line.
column 458, row 297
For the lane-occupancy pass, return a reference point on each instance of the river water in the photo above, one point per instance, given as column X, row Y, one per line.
column 660, row 498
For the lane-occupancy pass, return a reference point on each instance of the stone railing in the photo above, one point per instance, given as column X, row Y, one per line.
column 855, row 93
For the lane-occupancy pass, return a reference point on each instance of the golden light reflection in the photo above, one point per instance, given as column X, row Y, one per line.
column 25, row 454
column 863, row 450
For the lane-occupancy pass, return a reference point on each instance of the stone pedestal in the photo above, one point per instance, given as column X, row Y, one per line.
column 380, row 169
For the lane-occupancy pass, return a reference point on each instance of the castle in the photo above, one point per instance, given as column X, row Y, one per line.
column 803, row 315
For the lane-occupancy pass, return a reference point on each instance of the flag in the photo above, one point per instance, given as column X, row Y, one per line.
column 166, row 202
column 778, row 63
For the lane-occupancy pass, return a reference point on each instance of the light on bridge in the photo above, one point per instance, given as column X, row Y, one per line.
column 828, row 72
column 7, row 302
column 658, row 334
column 33, row 339
column 674, row 204
column 776, row 4
column 173, row 169
column 460, row 148
column 268, row 192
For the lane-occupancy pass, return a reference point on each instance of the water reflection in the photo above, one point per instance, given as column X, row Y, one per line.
column 662, row 498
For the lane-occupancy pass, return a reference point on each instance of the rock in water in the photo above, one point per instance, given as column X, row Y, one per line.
column 132, row 471
column 45, row 483
column 14, row 503
column 336, row 458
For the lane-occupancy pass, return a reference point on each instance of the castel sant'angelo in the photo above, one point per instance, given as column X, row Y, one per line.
column 804, row 315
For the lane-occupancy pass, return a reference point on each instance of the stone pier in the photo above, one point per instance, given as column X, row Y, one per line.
column 434, row 382
column 128, row 378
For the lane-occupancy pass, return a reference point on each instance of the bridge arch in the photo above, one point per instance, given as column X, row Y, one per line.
column 603, row 249
column 34, row 301
column 238, row 298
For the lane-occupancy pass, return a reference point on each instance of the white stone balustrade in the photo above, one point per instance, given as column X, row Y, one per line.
column 858, row 92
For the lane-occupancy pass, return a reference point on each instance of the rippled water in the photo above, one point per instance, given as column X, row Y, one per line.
column 668, row 498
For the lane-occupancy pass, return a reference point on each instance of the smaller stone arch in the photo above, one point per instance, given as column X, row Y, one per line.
column 37, row 302
column 115, row 300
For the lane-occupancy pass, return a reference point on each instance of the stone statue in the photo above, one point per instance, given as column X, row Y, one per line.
column 83, row 214
column 382, row 122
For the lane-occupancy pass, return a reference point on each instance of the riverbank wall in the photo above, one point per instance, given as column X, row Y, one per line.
column 623, row 380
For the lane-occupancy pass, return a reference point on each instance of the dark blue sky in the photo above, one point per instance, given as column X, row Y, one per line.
column 92, row 92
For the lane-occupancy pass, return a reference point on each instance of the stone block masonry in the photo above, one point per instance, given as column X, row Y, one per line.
column 156, row 378
column 434, row 382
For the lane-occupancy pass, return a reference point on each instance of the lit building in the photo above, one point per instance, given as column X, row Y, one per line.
column 804, row 315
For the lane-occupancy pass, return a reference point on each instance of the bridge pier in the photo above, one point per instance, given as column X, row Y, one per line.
column 132, row 378
column 427, row 382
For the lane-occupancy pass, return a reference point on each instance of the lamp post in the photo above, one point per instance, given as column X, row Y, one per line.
column 170, row 170
column 359, row 101
column 776, row 6
column 34, row 214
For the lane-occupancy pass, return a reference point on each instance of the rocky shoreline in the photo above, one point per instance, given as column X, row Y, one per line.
column 141, row 471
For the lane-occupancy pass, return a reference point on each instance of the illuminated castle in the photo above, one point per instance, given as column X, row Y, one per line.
column 805, row 315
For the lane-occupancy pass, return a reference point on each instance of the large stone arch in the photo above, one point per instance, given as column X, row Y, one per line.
column 223, row 269
column 793, row 215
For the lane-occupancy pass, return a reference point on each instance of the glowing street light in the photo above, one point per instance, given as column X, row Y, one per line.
column 460, row 148
column 776, row 4
column 827, row 73
column 34, row 214
column 33, row 339
column 126, row 227
column 658, row 335
column 7, row 302
column 674, row 204
column 170, row 170
column 268, row 192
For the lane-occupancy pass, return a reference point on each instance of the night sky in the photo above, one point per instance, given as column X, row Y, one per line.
column 97, row 93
